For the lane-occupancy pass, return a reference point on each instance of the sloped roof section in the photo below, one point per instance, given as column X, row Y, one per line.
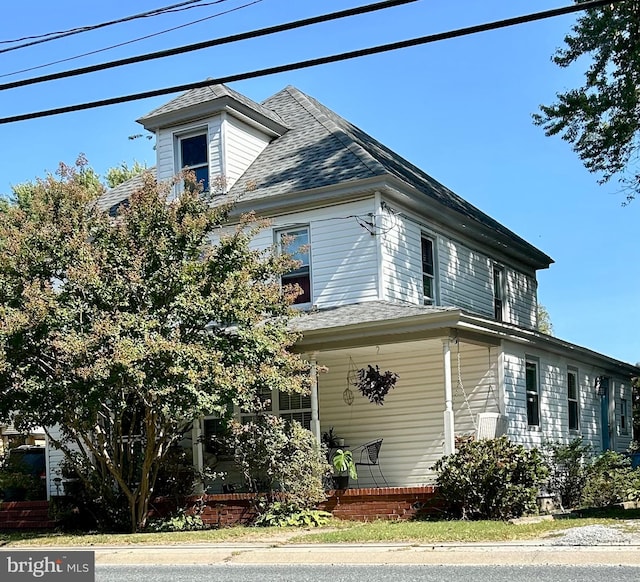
column 198, row 97
column 322, row 149
column 116, row 197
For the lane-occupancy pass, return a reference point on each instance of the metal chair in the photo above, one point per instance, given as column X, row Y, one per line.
column 368, row 455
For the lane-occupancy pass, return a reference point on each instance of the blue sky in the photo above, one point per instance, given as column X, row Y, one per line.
column 460, row 109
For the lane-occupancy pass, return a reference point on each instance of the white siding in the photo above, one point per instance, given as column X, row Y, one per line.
column 464, row 277
column 55, row 457
column 242, row 145
column 554, row 407
column 344, row 264
column 411, row 419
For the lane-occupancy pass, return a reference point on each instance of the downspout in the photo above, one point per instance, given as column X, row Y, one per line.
column 315, row 418
column 449, row 420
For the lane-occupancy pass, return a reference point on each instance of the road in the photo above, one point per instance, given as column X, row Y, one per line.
column 378, row 573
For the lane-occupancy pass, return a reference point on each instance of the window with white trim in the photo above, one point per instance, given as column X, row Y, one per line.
column 194, row 155
column 624, row 416
column 285, row 405
column 428, row 271
column 498, row 293
column 573, row 399
column 532, row 392
column 295, row 241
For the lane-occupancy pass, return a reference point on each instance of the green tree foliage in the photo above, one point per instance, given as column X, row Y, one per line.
column 544, row 320
column 283, row 460
column 119, row 174
column 124, row 331
column 601, row 119
column 491, row 479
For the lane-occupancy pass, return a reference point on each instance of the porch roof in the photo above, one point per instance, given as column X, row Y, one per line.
column 378, row 322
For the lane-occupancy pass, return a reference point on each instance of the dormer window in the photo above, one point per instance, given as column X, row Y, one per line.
column 194, row 156
column 295, row 241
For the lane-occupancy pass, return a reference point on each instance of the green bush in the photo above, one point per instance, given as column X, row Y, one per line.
column 568, row 470
column 281, row 459
column 490, row 479
column 280, row 514
column 610, row 480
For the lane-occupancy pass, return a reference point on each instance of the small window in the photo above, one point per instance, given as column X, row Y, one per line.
column 296, row 243
column 498, row 293
column 295, row 407
column 194, row 156
column 428, row 272
column 624, row 416
column 573, row 399
column 533, row 394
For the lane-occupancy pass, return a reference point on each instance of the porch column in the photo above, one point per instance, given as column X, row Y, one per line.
column 315, row 419
column 198, row 454
column 449, row 421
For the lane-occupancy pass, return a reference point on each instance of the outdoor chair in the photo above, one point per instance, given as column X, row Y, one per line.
column 367, row 455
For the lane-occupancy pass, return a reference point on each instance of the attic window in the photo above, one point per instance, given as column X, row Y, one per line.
column 428, row 272
column 498, row 292
column 194, row 156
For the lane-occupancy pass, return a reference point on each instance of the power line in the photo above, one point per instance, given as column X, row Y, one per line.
column 207, row 44
column 63, row 34
column 160, row 32
column 315, row 62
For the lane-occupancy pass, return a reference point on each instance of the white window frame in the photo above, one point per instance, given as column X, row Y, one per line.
column 289, row 406
column 191, row 133
column 572, row 372
column 624, row 416
column 304, row 269
column 531, row 362
column 498, row 282
column 428, row 273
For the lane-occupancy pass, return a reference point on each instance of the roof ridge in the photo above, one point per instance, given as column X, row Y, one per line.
column 311, row 106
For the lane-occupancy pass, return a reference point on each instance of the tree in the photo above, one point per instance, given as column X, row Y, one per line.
column 544, row 320
column 122, row 173
column 602, row 118
column 124, row 331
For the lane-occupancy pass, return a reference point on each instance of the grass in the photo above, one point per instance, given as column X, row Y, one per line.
column 422, row 532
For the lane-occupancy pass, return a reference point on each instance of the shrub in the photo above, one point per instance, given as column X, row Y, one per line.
column 282, row 459
column 281, row 514
column 568, row 469
column 491, row 479
column 610, row 480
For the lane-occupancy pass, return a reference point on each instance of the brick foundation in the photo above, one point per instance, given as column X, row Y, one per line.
column 390, row 503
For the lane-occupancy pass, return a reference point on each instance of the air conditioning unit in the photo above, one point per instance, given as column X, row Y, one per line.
column 491, row 425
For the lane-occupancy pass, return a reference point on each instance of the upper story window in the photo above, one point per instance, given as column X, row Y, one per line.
column 498, row 292
column 532, row 392
column 428, row 272
column 573, row 399
column 295, row 241
column 194, row 156
column 624, row 416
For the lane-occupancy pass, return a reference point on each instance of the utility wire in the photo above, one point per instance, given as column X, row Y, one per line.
column 108, row 48
column 315, row 62
column 207, row 44
column 63, row 34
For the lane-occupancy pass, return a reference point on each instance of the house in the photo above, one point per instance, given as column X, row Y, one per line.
column 399, row 272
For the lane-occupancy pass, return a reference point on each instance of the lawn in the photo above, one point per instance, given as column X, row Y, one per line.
column 419, row 532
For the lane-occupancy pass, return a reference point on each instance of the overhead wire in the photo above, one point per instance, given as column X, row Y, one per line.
column 208, row 43
column 133, row 40
column 73, row 31
column 315, row 62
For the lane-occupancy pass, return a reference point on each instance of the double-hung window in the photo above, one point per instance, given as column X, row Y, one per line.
column 573, row 399
column 498, row 293
column 295, row 241
column 624, row 416
column 295, row 407
column 532, row 392
column 194, row 156
column 428, row 272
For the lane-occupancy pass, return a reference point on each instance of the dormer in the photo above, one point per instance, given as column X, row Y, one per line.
column 214, row 131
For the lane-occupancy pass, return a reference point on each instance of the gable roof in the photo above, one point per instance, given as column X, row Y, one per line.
column 114, row 198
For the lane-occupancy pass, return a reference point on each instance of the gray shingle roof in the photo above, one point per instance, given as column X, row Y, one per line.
column 206, row 94
column 112, row 199
column 359, row 313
